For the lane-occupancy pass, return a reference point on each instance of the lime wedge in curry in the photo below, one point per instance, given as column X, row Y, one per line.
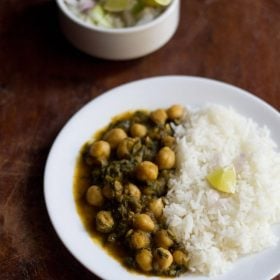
column 223, row 179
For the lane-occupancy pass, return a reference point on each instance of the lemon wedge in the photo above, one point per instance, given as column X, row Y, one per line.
column 118, row 5
column 223, row 179
column 158, row 2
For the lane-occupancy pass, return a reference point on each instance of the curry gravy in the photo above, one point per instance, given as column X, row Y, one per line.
column 125, row 214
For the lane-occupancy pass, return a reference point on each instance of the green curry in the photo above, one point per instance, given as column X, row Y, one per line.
column 121, row 182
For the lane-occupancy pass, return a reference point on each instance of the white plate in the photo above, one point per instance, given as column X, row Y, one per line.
column 149, row 93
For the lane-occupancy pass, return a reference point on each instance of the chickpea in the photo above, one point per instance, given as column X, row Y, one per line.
column 162, row 239
column 180, row 258
column 143, row 222
column 168, row 141
column 175, row 112
column 144, row 259
column 108, row 191
column 159, row 116
column 125, row 147
column 138, row 130
column 165, row 158
column 94, row 196
column 163, row 259
column 104, row 221
column 115, row 136
column 139, row 240
column 156, row 206
column 147, row 171
column 100, row 150
column 132, row 191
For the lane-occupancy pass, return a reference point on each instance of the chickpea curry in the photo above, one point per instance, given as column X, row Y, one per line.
column 121, row 182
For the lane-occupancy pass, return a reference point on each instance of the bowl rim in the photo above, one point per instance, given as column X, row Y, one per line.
column 63, row 8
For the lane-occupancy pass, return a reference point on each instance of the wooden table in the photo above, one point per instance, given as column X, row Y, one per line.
column 44, row 80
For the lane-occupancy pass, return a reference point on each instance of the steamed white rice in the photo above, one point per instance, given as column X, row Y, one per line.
column 217, row 228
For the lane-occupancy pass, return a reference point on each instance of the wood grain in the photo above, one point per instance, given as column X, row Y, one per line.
column 44, row 80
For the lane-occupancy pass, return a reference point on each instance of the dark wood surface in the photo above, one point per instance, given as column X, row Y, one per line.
column 43, row 81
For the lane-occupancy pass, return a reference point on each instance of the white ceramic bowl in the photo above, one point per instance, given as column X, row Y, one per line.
column 120, row 43
column 150, row 94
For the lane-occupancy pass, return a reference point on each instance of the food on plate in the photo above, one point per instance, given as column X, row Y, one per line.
column 117, row 13
column 226, row 192
column 122, row 179
column 177, row 190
